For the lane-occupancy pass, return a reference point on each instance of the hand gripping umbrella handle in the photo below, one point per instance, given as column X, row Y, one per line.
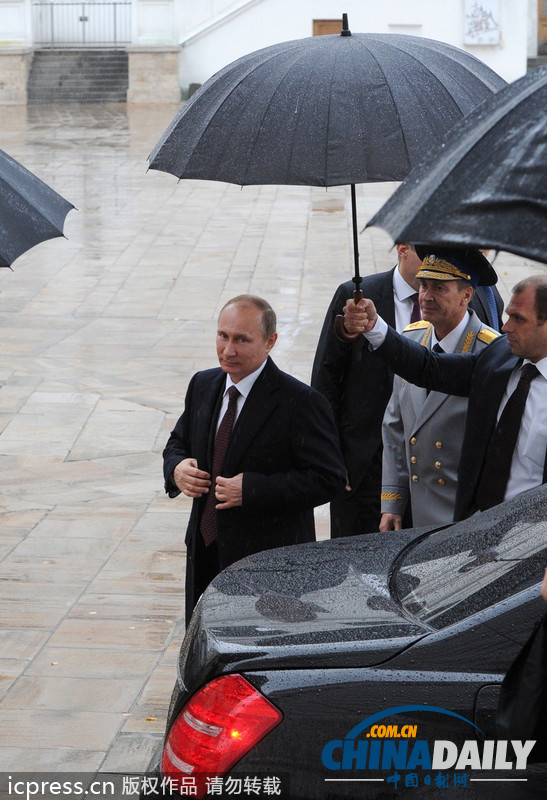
column 339, row 327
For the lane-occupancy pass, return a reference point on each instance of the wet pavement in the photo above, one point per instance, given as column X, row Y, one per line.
column 100, row 334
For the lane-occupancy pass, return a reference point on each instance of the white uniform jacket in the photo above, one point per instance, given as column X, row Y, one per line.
column 422, row 435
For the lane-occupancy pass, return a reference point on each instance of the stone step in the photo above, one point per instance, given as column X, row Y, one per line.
column 85, row 76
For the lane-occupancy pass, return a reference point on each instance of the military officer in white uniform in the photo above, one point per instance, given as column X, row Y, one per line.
column 422, row 432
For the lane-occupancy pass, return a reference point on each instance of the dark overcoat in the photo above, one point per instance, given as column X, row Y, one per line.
column 286, row 445
column 356, row 383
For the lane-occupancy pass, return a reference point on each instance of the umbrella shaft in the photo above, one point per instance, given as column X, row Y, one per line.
column 357, row 276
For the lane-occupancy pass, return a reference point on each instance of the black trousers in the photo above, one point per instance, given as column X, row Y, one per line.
column 201, row 567
column 359, row 512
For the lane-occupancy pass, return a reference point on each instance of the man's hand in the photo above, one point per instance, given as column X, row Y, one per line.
column 391, row 522
column 192, row 482
column 360, row 317
column 229, row 491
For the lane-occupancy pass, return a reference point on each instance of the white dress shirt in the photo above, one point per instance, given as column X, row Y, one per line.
column 402, row 298
column 529, row 455
column 244, row 387
column 450, row 341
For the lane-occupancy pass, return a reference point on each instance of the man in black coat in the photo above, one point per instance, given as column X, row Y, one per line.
column 282, row 458
column 358, row 386
column 487, row 304
column 489, row 379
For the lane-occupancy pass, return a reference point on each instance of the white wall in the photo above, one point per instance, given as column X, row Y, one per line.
column 259, row 23
column 15, row 25
column 246, row 25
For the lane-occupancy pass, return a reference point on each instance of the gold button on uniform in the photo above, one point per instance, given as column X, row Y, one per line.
column 438, row 445
column 441, row 482
column 415, row 478
column 413, row 440
column 413, row 459
column 438, row 464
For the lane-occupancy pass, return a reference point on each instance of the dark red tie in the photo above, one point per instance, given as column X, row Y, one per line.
column 416, row 314
column 499, row 455
column 208, row 526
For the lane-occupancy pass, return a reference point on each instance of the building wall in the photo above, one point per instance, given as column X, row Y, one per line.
column 259, row 23
column 212, row 33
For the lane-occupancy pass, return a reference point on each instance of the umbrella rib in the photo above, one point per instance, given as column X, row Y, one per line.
column 267, row 108
column 186, row 108
column 251, row 68
column 386, row 82
column 419, row 59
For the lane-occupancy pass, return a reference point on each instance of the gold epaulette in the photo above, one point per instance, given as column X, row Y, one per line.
column 487, row 335
column 417, row 325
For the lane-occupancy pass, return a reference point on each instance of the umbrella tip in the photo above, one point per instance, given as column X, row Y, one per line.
column 345, row 30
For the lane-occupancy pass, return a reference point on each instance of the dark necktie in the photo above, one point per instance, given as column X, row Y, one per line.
column 497, row 463
column 436, row 349
column 416, row 314
column 208, row 526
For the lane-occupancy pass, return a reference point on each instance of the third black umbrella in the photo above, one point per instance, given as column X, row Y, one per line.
column 325, row 111
column 30, row 210
column 486, row 184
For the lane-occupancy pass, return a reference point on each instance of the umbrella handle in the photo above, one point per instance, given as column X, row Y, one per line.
column 339, row 327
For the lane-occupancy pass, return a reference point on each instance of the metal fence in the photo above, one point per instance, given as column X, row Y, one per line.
column 79, row 24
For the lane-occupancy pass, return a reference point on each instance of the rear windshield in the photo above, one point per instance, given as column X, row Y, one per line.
column 448, row 575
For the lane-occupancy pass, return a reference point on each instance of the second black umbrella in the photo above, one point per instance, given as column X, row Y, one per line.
column 486, row 185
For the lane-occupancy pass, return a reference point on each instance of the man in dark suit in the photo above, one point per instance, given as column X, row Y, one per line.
column 515, row 364
column 487, row 304
column 358, row 386
column 280, row 459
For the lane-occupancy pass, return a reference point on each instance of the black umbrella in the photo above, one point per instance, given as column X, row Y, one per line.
column 325, row 111
column 486, row 184
column 30, row 211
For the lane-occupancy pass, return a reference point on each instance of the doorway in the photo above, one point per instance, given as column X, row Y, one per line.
column 322, row 27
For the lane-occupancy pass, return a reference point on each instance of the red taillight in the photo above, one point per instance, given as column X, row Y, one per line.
column 221, row 723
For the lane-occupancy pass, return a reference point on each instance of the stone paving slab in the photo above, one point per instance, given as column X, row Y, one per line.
column 65, row 694
column 100, row 335
column 40, row 760
column 87, row 730
column 103, row 663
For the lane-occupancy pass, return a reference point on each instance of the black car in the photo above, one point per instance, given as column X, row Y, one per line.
column 364, row 667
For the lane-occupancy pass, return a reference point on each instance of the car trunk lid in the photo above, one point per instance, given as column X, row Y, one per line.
column 270, row 608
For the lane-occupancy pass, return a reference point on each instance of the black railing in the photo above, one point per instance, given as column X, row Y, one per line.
column 80, row 24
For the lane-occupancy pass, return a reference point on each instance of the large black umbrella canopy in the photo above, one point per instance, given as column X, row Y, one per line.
column 30, row 210
column 486, row 184
column 324, row 111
